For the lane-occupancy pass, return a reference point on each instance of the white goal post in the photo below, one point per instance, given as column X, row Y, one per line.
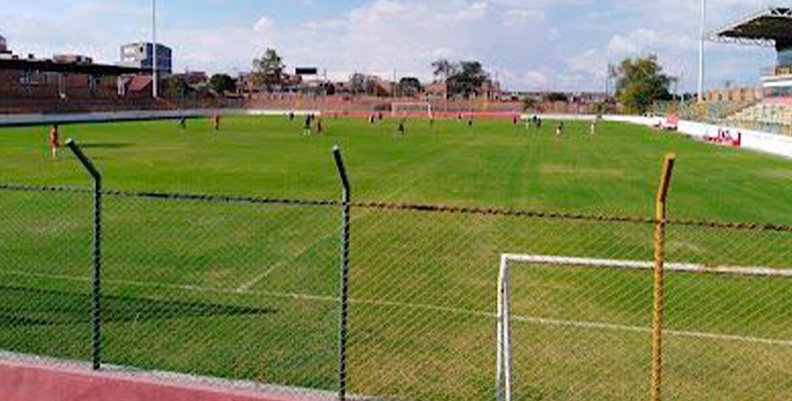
column 504, row 332
column 403, row 109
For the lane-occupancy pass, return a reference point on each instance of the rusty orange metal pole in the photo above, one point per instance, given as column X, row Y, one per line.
column 659, row 276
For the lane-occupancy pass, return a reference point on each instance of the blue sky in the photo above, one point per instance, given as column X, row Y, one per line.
column 529, row 44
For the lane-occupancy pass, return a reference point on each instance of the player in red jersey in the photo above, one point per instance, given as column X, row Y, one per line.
column 54, row 140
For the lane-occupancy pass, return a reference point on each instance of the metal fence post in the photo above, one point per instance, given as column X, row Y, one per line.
column 658, row 293
column 96, row 344
column 344, row 291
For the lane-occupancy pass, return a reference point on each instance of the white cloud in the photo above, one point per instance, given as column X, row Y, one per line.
column 265, row 24
column 532, row 44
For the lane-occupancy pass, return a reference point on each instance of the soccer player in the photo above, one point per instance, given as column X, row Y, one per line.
column 183, row 123
column 402, row 129
column 216, row 121
column 54, row 141
column 319, row 127
column 307, row 125
column 470, row 122
column 593, row 128
column 560, row 129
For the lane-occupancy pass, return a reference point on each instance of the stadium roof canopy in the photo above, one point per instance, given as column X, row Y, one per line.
column 769, row 27
column 50, row 66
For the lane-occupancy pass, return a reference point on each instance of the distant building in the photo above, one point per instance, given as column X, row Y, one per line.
column 247, row 84
column 141, row 55
column 3, row 45
column 740, row 94
column 195, row 78
column 436, row 89
column 72, row 59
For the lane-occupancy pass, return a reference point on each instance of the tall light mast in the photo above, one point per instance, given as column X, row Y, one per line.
column 155, row 62
column 702, row 39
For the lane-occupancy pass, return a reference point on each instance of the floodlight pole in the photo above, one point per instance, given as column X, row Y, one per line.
column 702, row 38
column 155, row 61
column 96, row 350
column 344, row 290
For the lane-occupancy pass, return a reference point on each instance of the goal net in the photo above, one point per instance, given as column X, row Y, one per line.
column 411, row 109
column 578, row 328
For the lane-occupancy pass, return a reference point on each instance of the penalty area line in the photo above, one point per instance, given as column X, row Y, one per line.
column 427, row 307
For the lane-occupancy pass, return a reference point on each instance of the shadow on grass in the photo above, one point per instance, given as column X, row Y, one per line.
column 44, row 307
column 105, row 145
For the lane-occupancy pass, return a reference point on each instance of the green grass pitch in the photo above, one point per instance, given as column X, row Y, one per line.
column 248, row 290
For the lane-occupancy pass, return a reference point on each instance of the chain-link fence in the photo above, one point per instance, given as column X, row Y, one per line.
column 249, row 288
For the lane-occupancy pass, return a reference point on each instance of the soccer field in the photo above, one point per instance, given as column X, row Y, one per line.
column 249, row 290
column 493, row 164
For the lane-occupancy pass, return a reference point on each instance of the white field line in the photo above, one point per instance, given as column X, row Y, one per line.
column 646, row 265
column 638, row 329
column 261, row 276
column 255, row 280
column 434, row 308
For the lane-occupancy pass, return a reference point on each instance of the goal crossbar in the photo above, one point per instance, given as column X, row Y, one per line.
column 504, row 339
column 411, row 108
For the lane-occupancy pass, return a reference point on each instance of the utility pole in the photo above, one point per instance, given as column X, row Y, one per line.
column 155, row 61
column 702, row 38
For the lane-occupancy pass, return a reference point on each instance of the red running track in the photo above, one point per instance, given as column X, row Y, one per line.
column 21, row 381
column 443, row 115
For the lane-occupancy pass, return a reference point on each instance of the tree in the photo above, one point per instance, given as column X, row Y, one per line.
column 556, row 97
column 177, row 87
column 222, row 83
column 468, row 80
column 444, row 69
column 357, row 83
column 529, row 103
column 365, row 84
column 328, row 88
column 409, row 86
column 640, row 83
column 268, row 70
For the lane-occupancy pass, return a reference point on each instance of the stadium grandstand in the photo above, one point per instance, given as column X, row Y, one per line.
column 30, row 84
column 68, row 83
column 769, row 27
